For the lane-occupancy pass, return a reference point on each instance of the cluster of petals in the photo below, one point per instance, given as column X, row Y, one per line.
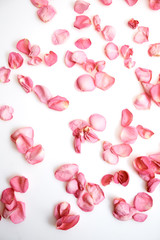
column 126, row 52
column 81, row 6
column 121, row 177
column 4, row 74
column 23, row 138
column 87, row 194
column 142, row 35
column 6, row 112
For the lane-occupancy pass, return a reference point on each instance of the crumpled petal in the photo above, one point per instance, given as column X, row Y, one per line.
column 79, row 57
column 131, row 2
column 97, row 22
column 144, row 132
column 111, row 51
column 106, row 179
column 50, row 58
column 83, row 43
column 26, row 132
column 122, row 210
column 8, row 196
column 68, row 59
column 152, row 184
column 108, row 33
column 58, row 103
column 19, row 184
column 25, row 82
column 126, row 118
column 82, row 22
column 6, row 113
column 122, row 150
column 23, row 143
column 103, row 80
column 46, row 13
column 59, row 36
column 96, row 192
column 90, row 136
column 106, row 2
column 4, row 74
column 85, row 83
column 78, row 123
column 155, row 93
column 81, row 6
column 129, row 134
column 110, row 157
column 143, row 74
column 142, row 35
column 24, row 46
column 39, row 3
column 35, row 154
column 126, row 51
column 147, row 87
column 89, row 65
column 85, row 202
column 34, row 51
column 154, row 50
column 154, row 4
column 100, row 65
column 143, row 202
column 66, row 172
column 72, row 186
column 42, row 93
column 62, row 209
column 18, row 215
column 106, row 145
column 142, row 102
column 15, row 60
column 77, row 144
column 132, row 23
column 34, row 61
column 67, row 222
column 97, row 122
column 81, row 181
column 121, row 177
column 129, row 63
column 139, row 217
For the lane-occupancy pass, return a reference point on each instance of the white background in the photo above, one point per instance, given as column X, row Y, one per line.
column 18, row 20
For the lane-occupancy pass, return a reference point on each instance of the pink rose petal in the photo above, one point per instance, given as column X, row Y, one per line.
column 68, row 59
column 34, row 51
column 96, row 192
column 97, row 122
column 111, row 51
column 78, row 123
column 46, row 13
column 142, row 35
column 100, row 65
column 18, row 215
column 129, row 63
column 85, row 83
column 34, row 61
column 155, row 93
column 106, row 179
column 23, row 143
column 143, row 202
column 77, row 144
column 85, row 202
column 154, row 4
column 89, row 65
column 154, row 50
column 147, row 87
column 129, row 134
column 19, row 184
column 39, row 3
column 7, row 213
column 106, row 2
column 110, row 157
column 131, row 2
column 126, row 118
column 142, row 102
column 4, row 74
column 42, row 93
column 35, row 155
column 81, row 181
column 26, row 132
column 90, row 136
column 144, row 132
column 79, row 57
column 103, row 80
column 121, row 177
column 24, row 46
column 122, row 210
column 83, row 43
column 58, row 103
column 66, row 172
column 97, row 22
column 62, row 209
column 72, row 186
column 25, row 82
column 126, row 51
column 6, row 113
column 122, row 150
column 108, row 33
column 82, row 22
column 152, row 184
column 67, row 222
column 81, row 6
column 59, row 36
column 139, row 217
column 50, row 58
column 106, row 145
column 15, row 60
column 8, row 196
column 132, row 23
column 143, row 75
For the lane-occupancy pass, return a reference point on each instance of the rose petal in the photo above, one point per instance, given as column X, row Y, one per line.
column 18, row 215
column 106, row 2
column 6, row 112
column 144, row 132
column 23, row 143
column 129, row 134
column 26, row 132
column 79, row 57
column 8, row 196
column 143, row 202
column 62, row 209
column 46, row 13
column 4, row 74
column 39, row 3
column 15, row 60
column 35, row 155
column 110, row 157
column 143, row 74
column 129, row 63
column 7, row 213
column 100, row 65
column 81, row 6
column 59, row 36
column 67, row 222
column 122, row 210
column 96, row 192
column 24, row 46
column 122, row 150
column 78, row 123
column 97, row 122
column 132, row 23
column 85, row 202
column 85, row 83
column 19, row 184
column 111, row 51
column 131, row 2
column 42, row 93
column 72, row 186
column 147, row 87
column 108, row 33
column 83, row 43
column 81, row 181
column 106, row 145
column 34, row 61
column 68, row 59
column 96, row 22
column 90, row 136
column 155, row 93
column 126, row 118
column 126, row 51
column 25, row 82
column 77, row 144
column 142, row 102
column 121, row 177
column 89, row 65
column 152, row 184
column 154, row 50
column 154, row 4
column 82, row 22
column 142, row 35
column 50, row 58
column 34, row 51
column 139, row 217
column 103, row 80
column 58, row 103
column 106, row 179
column 66, row 172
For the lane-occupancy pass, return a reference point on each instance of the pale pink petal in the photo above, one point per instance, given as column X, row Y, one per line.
column 144, row 132
column 129, row 134
column 42, row 93
column 26, row 132
column 154, row 50
column 50, row 58
column 111, row 51
column 6, row 112
column 143, row 75
column 8, row 196
column 139, row 217
column 122, row 150
column 97, row 22
column 18, row 215
column 82, row 22
column 4, row 74
column 90, row 136
column 106, row 179
column 126, row 51
column 68, row 59
column 85, row 202
column 122, row 210
column 67, row 222
column 106, row 2
column 12, row 205
column 72, row 186
column 46, row 13
column 126, row 118
column 15, row 60
column 25, row 82
column 155, row 157
column 19, row 184
column 23, row 143
column 59, row 36
column 142, row 102
column 142, row 35
column 85, row 83
column 131, row 2
column 39, row 3
column 24, row 46
column 129, row 63
column 34, row 61
column 110, row 157
column 81, row 6
column 62, row 209
column 97, row 122
column 35, row 154
column 147, row 87
column 34, row 51
column 108, row 33
column 79, row 57
column 77, row 144
column 83, row 43
column 154, row 4
column 7, row 213
column 78, row 123
column 96, row 192
column 132, row 23
column 152, row 184
column 100, row 65
column 143, row 202
column 66, row 172
column 121, row 177
column 106, row 145
column 89, row 65
column 58, row 103
column 103, row 80
column 155, row 93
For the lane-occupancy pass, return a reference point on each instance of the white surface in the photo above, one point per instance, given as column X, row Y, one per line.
column 18, row 20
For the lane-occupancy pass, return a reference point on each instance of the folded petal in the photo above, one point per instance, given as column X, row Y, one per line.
column 144, row 132
column 106, row 2
column 62, row 209
column 142, row 102
column 23, row 143
column 67, row 222
column 106, row 179
column 97, row 122
column 50, row 58
column 58, row 103
column 42, row 93
column 35, row 154
column 143, row 74
column 110, row 157
column 66, row 172
column 77, row 144
column 131, row 2
column 122, row 210
column 81, row 181
column 39, row 3
column 129, row 134
column 82, row 22
column 111, row 51
column 59, row 36
column 154, row 4
column 126, row 51
column 18, row 215
column 85, row 83
column 103, row 80
column 155, row 93
column 26, row 132
column 132, row 23
column 83, row 43
column 106, row 145
column 4, row 74
column 126, row 118
column 143, row 202
column 34, row 51
column 90, row 136
column 24, row 46
column 34, row 61
column 122, row 150
column 89, row 65
column 100, row 65
column 139, row 217
column 152, row 184
column 15, row 60
column 96, row 192
column 78, row 123
column 19, row 184
column 8, row 196
column 6, row 113
column 81, row 6
column 121, row 177
column 79, row 57
column 85, row 202
column 46, row 13
column 154, row 50
column 129, row 63
column 108, row 33
column 97, row 22
column 72, row 186
column 142, row 35
column 68, row 59
column 25, row 82
column 147, row 87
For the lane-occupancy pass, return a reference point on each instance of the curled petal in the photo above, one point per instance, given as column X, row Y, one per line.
column 110, row 157
column 97, row 122
column 6, row 112
column 85, row 83
column 96, row 192
column 106, row 179
column 143, row 202
column 108, row 33
column 132, row 23
column 25, row 82
column 18, row 215
column 122, row 150
column 34, row 61
column 89, row 65
column 154, row 50
column 24, row 46
column 35, row 155
column 97, row 22
column 58, row 103
column 126, row 118
column 34, row 51
column 83, row 43
column 15, row 60
column 85, row 202
column 81, row 181
column 122, row 210
column 79, row 57
column 90, row 136
column 50, row 58
column 26, row 132
column 142, row 102
column 81, row 6
column 59, row 36
column 126, row 51
column 82, row 22
column 19, row 184
column 100, row 65
column 42, row 93
column 129, row 63
column 106, row 145
column 66, row 172
column 72, row 186
column 139, row 217
column 8, row 196
column 111, row 51
column 78, row 123
column 155, row 93
column 68, row 59
column 144, row 132
column 39, row 3
column 121, row 177
column 4, row 74
column 77, row 144
column 142, row 35
column 103, row 80
column 67, row 222
column 131, row 2
column 23, row 143
column 154, row 4
column 152, row 184
column 62, row 209
column 129, row 134
column 143, row 75
column 106, row 2
column 147, row 87
column 7, row 213
column 46, row 13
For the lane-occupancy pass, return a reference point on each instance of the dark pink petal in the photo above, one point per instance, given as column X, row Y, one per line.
column 79, row 57
column 155, row 93
column 106, row 2
column 143, row 202
column 126, row 118
column 18, row 215
column 85, row 202
column 26, row 132
column 34, row 51
column 122, row 150
column 144, row 132
column 129, row 134
column 142, row 35
column 35, row 155
column 81, row 181
column 121, row 177
column 143, row 75
column 72, row 186
column 126, row 51
column 97, row 122
column 142, row 102
column 4, row 74
column 19, row 184
column 24, row 46
column 66, row 172
column 15, row 60
column 154, row 50
column 96, row 192
column 97, row 22
column 110, row 157
column 25, row 82
column 46, row 13
column 103, row 80
column 129, row 63
column 131, row 2
column 89, row 65
column 42, row 93
column 6, row 112
column 108, row 33
column 154, row 4
column 77, row 144
column 62, row 209
column 67, row 222
column 155, row 158
column 83, row 43
column 85, row 83
column 106, row 179
column 132, row 23
column 59, row 36
column 78, row 123
column 82, row 22
column 81, row 6
column 68, row 59
column 106, row 145
column 23, row 143
column 152, row 184
column 50, row 58
column 58, row 103
column 100, row 65
column 34, row 61
column 111, row 51
column 8, row 196
column 39, row 3
column 122, row 210
column 139, row 217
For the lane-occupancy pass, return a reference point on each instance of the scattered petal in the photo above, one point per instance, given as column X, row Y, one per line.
column 46, row 13
column 103, row 80
column 142, row 102
column 108, row 33
column 122, row 150
column 152, row 184
column 72, row 186
column 62, row 209
column 6, row 113
column 18, row 215
column 83, row 43
column 132, row 23
column 106, row 2
column 142, row 35
column 111, row 51
column 126, row 51
column 67, row 222
column 34, row 61
column 42, row 93
column 15, row 60
column 8, row 196
column 154, row 50
column 90, row 136
column 85, row 202
column 79, row 57
column 96, row 192
column 81, row 6
column 106, row 145
column 143, row 202
column 35, row 155
column 26, row 132
column 58, row 103
column 23, row 143
column 77, row 144
column 50, row 58
column 110, row 157
column 34, row 51
column 19, row 184
column 131, row 2
column 68, row 59
column 89, row 65
column 25, row 82
column 126, row 118
column 4, row 74
column 129, row 63
column 39, row 3
column 155, row 93
column 85, row 83
column 143, row 75
column 100, row 65
column 59, row 36
column 82, row 22
column 66, row 172
column 154, row 4
column 97, row 122
column 144, row 132
column 24, row 46
column 78, row 123
column 121, row 177
column 96, row 22
column 122, row 210
column 139, row 217
column 106, row 179
column 129, row 134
